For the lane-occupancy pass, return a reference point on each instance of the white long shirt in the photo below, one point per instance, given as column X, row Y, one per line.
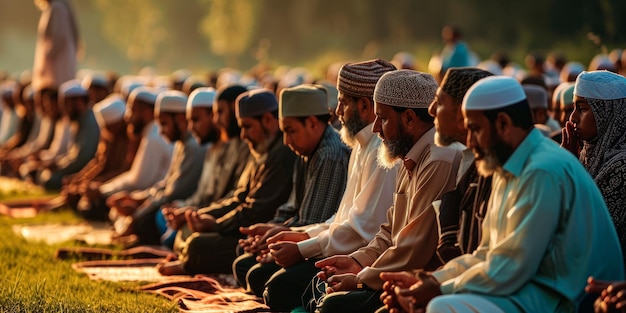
column 8, row 124
column 363, row 208
column 149, row 166
column 60, row 143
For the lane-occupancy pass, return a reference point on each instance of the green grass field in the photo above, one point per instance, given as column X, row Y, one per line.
column 33, row 281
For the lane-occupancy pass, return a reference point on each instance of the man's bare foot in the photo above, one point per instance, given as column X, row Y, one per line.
column 170, row 268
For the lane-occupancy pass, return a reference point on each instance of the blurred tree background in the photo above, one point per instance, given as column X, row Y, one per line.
column 201, row 35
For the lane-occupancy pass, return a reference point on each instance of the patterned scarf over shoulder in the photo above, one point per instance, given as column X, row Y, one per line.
column 605, row 159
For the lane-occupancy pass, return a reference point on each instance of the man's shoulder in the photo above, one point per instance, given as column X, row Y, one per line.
column 280, row 153
column 442, row 154
column 549, row 157
column 332, row 147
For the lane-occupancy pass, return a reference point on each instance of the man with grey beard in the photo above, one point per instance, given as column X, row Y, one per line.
column 408, row 239
column 363, row 207
column 461, row 211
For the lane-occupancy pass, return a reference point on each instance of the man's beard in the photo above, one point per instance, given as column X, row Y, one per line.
column 488, row 164
column 493, row 158
column 261, row 148
column 443, row 140
column 211, row 137
column 136, row 127
column 393, row 150
column 177, row 135
column 352, row 126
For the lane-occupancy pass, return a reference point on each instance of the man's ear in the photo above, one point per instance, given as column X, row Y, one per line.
column 366, row 108
column 266, row 119
column 503, row 124
column 409, row 118
column 363, row 104
column 180, row 119
column 310, row 122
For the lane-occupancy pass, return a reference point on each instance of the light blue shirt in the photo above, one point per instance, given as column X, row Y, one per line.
column 546, row 231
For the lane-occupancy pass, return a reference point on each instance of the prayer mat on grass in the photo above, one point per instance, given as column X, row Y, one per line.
column 91, row 254
column 57, row 233
column 13, row 188
column 207, row 293
column 141, row 270
column 29, row 207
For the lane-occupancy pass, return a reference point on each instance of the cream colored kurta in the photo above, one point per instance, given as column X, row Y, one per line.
column 55, row 51
column 368, row 195
column 409, row 237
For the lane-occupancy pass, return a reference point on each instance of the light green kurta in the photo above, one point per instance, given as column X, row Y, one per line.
column 547, row 230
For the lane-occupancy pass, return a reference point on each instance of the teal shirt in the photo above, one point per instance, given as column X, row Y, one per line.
column 546, row 231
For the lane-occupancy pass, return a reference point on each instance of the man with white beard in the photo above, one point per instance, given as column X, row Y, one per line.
column 408, row 239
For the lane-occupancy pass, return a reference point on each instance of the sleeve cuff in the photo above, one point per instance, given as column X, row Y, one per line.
column 316, row 229
column 362, row 258
column 447, row 286
column 309, row 248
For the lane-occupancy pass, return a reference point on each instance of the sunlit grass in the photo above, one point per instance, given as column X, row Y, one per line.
column 31, row 280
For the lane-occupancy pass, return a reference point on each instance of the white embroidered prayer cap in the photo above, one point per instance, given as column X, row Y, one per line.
column 603, row 85
column 493, row 92
column 110, row 110
column 171, row 101
column 202, row 97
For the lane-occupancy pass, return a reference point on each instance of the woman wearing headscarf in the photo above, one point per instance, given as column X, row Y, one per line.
column 596, row 133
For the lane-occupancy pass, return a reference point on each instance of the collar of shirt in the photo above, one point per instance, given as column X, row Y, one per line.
column 149, row 129
column 421, row 144
column 188, row 138
column 467, row 159
column 517, row 160
column 364, row 135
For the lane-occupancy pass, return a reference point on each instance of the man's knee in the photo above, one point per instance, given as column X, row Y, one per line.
column 241, row 266
column 334, row 302
column 439, row 304
column 258, row 276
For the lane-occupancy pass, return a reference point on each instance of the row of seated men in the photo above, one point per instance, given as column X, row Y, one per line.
column 242, row 181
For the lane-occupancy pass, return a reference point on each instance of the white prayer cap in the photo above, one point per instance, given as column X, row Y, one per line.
column 537, row 96
column 202, row 97
column 190, row 84
column 556, row 94
column 603, row 85
column 294, row 77
column 303, row 100
column 28, row 94
column 406, row 89
column 333, row 93
column 227, row 77
column 110, row 110
column 171, row 101
column 567, row 96
column 146, row 95
column 72, row 89
column 572, row 69
column 161, row 82
column 179, row 76
column 129, row 85
column 490, row 66
column 493, row 92
column 601, row 62
column 94, row 79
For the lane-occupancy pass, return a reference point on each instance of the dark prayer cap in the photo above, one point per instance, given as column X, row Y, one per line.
column 458, row 80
